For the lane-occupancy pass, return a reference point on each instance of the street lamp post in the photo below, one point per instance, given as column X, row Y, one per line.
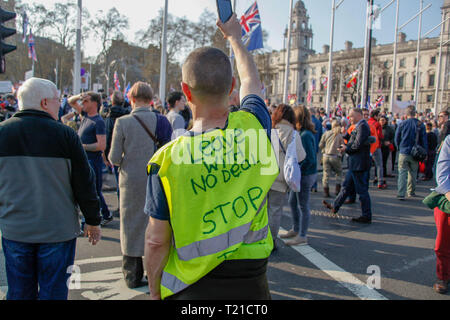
column 334, row 7
column 288, row 57
column 77, row 62
column 162, row 77
column 416, row 95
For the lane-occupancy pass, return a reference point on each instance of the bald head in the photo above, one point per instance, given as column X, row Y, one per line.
column 207, row 71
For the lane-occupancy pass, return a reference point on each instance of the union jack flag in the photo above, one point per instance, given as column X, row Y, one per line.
column 116, row 82
column 313, row 85
column 379, row 102
column 339, row 110
column 252, row 35
column 325, row 82
column 31, row 48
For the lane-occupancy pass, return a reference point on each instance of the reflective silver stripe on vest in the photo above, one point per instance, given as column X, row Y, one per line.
column 172, row 283
column 224, row 241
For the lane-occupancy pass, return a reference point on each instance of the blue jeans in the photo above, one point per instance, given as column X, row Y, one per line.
column 356, row 182
column 30, row 265
column 301, row 217
column 97, row 165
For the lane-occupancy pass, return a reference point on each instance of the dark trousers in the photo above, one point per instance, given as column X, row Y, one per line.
column 429, row 165
column 356, row 182
column 133, row 271
column 97, row 166
column 38, row 271
column 394, row 159
column 233, row 279
column 386, row 152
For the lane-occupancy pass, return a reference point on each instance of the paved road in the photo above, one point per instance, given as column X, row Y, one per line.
column 340, row 261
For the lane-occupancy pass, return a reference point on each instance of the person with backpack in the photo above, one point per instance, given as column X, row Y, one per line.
column 409, row 135
column 297, row 235
column 332, row 158
column 283, row 123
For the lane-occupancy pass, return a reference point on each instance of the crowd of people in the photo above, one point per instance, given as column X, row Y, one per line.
column 188, row 226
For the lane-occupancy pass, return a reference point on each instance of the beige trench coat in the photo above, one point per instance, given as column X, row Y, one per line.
column 131, row 150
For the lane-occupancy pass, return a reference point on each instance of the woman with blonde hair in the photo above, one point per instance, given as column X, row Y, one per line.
column 297, row 234
column 332, row 158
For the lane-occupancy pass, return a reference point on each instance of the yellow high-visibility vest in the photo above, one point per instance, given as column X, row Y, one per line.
column 216, row 184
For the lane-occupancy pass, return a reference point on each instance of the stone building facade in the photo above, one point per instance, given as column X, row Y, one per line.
column 307, row 67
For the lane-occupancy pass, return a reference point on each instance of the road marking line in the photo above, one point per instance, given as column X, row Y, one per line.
column 98, row 260
column 346, row 279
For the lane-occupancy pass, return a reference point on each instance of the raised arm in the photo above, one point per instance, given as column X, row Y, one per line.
column 248, row 72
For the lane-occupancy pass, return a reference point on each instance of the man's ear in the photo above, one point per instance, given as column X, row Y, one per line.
column 233, row 85
column 187, row 92
column 44, row 104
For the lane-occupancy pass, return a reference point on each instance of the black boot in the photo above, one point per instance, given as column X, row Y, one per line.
column 133, row 271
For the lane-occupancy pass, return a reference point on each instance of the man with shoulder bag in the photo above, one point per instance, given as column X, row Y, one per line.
column 411, row 141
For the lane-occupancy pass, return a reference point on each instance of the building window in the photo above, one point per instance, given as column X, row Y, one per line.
column 431, row 80
column 430, row 98
column 306, row 42
column 386, row 98
column 321, row 99
column 399, row 98
column 401, row 82
column 402, row 63
column 386, row 64
column 433, row 60
column 324, row 70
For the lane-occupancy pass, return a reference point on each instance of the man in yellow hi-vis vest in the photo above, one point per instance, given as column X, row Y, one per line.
column 208, row 235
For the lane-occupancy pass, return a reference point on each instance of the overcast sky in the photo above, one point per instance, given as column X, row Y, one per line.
column 350, row 18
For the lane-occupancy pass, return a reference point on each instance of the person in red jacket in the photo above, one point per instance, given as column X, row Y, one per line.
column 377, row 155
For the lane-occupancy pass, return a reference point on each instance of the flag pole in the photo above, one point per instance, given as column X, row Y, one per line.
column 366, row 69
column 416, row 96
column 438, row 73
column 340, row 85
column 77, row 62
column 288, row 57
column 231, row 48
column 394, row 65
column 330, row 61
column 163, row 69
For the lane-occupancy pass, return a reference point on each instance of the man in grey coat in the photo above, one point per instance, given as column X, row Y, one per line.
column 132, row 147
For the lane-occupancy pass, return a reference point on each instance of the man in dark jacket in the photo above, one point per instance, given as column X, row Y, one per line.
column 405, row 139
column 45, row 175
column 357, row 179
column 432, row 141
column 115, row 112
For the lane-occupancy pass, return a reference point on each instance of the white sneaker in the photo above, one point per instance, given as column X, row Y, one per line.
column 297, row 241
column 289, row 234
